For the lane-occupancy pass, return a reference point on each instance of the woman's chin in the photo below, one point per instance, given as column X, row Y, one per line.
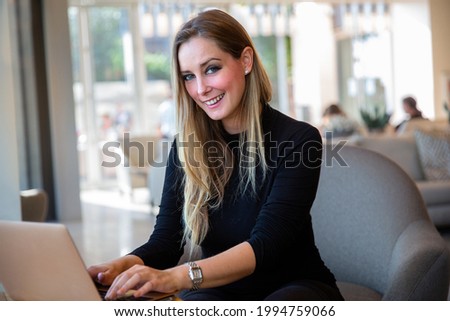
column 214, row 114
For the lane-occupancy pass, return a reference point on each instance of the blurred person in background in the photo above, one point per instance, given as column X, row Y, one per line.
column 413, row 113
column 336, row 123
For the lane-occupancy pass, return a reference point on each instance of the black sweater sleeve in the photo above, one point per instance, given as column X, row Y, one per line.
column 164, row 248
column 286, row 211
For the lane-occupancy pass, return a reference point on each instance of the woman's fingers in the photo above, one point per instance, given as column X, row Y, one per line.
column 106, row 278
column 129, row 284
column 130, row 277
column 140, row 278
column 115, row 286
column 95, row 270
column 103, row 274
column 147, row 287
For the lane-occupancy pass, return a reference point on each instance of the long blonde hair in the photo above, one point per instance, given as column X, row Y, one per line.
column 204, row 182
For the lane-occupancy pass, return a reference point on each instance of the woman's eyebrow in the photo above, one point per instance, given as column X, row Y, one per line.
column 208, row 61
column 203, row 64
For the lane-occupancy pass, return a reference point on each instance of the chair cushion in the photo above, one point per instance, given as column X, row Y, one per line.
column 354, row 292
column 434, row 153
column 435, row 192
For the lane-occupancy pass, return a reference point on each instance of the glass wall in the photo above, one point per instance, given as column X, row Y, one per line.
column 104, row 83
column 364, row 56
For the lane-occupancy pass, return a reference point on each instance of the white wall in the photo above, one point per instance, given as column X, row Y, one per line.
column 314, row 62
column 9, row 171
column 62, row 110
column 412, row 56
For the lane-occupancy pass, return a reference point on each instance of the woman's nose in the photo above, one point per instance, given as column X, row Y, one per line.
column 202, row 87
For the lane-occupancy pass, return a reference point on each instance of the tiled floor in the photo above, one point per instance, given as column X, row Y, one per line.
column 113, row 225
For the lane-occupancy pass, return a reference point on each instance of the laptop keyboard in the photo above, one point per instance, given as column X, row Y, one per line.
column 103, row 292
column 151, row 296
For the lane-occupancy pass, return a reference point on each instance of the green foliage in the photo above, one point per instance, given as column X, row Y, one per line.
column 106, row 25
column 447, row 109
column 157, row 66
column 289, row 55
column 376, row 118
column 266, row 47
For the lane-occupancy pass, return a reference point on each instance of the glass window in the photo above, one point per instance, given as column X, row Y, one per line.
column 121, row 59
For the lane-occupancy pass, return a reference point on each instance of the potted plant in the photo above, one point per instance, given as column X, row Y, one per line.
column 375, row 118
column 447, row 109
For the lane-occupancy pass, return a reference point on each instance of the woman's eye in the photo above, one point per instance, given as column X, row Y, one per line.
column 212, row 70
column 188, row 77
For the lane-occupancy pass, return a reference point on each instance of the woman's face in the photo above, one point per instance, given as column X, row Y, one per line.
column 215, row 79
column 407, row 108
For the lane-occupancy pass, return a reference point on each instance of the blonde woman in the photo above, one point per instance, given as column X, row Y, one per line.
column 240, row 181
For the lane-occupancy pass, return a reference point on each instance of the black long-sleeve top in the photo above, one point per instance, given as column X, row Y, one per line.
column 276, row 222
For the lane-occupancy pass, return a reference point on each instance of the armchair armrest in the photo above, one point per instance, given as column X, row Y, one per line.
column 420, row 265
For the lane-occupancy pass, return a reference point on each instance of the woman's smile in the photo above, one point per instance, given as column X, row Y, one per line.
column 214, row 103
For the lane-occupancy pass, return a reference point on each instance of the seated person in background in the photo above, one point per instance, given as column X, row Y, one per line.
column 336, row 122
column 414, row 114
column 247, row 207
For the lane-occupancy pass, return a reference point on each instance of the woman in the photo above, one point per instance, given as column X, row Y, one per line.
column 414, row 114
column 240, row 181
column 336, row 122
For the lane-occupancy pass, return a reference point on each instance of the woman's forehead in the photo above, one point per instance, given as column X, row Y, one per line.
column 196, row 51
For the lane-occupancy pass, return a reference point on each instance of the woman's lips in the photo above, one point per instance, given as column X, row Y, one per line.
column 212, row 103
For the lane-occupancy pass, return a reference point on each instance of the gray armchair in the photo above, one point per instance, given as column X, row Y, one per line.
column 373, row 231
column 34, row 205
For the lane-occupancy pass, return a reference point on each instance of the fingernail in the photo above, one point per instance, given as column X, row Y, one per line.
column 100, row 276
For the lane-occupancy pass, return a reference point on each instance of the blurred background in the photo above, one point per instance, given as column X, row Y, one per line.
column 78, row 74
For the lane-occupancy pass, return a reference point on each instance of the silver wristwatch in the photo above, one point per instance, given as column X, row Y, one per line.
column 195, row 274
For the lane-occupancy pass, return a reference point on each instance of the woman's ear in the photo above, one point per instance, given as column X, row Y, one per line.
column 247, row 59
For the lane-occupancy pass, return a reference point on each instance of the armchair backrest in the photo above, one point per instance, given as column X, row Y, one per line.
column 367, row 216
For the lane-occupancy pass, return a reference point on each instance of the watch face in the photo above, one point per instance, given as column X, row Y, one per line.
column 195, row 273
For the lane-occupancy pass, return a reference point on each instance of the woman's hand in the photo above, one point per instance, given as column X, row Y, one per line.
column 144, row 279
column 106, row 273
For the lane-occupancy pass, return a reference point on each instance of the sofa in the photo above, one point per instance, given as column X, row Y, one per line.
column 403, row 150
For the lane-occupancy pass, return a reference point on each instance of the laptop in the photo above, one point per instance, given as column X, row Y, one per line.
column 39, row 261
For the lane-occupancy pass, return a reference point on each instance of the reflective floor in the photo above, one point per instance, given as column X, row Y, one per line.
column 112, row 225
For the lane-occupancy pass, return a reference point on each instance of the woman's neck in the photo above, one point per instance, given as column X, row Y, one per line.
column 233, row 127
